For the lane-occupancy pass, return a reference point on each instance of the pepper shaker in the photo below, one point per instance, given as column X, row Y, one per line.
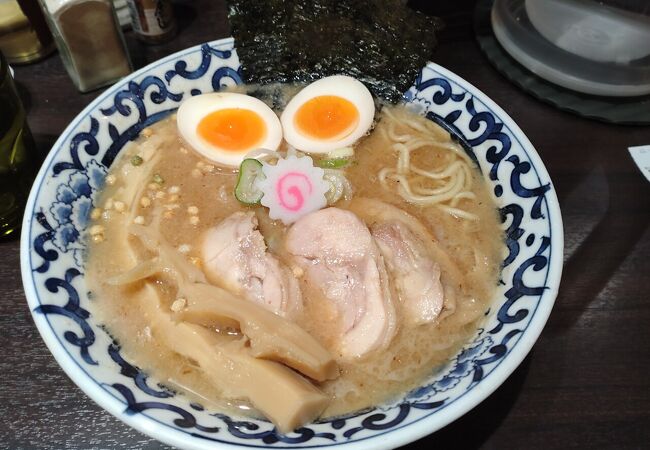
column 90, row 41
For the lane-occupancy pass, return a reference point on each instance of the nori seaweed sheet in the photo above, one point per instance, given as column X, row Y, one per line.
column 382, row 43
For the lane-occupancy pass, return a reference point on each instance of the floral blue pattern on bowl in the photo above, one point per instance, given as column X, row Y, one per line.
column 54, row 241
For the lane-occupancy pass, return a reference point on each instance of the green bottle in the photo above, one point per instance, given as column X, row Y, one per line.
column 19, row 159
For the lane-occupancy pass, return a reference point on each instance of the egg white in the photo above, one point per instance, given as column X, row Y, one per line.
column 339, row 85
column 196, row 108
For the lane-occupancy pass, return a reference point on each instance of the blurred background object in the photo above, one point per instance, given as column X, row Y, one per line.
column 123, row 14
column 594, row 47
column 90, row 40
column 592, row 30
column 608, row 85
column 19, row 159
column 24, row 35
column 153, row 21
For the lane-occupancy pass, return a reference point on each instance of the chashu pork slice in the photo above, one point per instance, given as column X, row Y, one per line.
column 408, row 246
column 235, row 257
column 338, row 254
column 415, row 273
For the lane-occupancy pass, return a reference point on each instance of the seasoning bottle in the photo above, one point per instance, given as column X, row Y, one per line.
column 19, row 157
column 24, row 36
column 152, row 20
column 90, row 41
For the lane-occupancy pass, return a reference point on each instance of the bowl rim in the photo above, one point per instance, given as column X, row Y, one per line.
column 522, row 348
column 390, row 438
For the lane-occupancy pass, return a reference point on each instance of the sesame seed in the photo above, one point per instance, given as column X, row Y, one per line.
column 153, row 186
column 108, row 204
column 111, row 179
column 145, row 202
column 200, row 164
column 147, row 132
column 196, row 261
column 171, row 206
column 208, row 168
column 173, row 198
column 194, row 220
column 119, row 206
column 139, row 220
column 192, row 210
column 196, row 173
column 98, row 238
column 96, row 229
column 224, row 194
column 178, row 304
column 96, row 213
column 160, row 194
column 184, row 248
column 168, row 214
column 183, row 150
column 174, row 189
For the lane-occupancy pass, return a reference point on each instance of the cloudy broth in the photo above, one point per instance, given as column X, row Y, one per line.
column 194, row 195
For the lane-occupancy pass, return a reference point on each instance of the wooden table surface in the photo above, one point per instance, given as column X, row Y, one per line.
column 585, row 384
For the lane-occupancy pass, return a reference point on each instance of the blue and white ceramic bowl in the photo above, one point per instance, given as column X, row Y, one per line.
column 54, row 241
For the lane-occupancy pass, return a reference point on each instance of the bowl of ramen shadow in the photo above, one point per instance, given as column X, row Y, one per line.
column 55, row 238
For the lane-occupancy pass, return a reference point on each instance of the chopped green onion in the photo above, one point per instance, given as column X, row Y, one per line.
column 339, row 153
column 158, row 179
column 246, row 190
column 332, row 163
column 336, row 158
column 136, row 160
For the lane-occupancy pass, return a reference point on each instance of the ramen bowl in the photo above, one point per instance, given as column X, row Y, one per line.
column 54, row 242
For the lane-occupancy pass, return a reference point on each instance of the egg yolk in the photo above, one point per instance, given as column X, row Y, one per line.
column 327, row 117
column 232, row 129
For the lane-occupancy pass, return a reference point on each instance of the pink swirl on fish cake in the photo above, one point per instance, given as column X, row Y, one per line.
column 291, row 186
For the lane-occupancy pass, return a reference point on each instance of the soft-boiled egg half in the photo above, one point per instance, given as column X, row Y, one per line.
column 331, row 113
column 224, row 127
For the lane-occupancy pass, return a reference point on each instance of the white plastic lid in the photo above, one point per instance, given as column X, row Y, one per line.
column 582, row 45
